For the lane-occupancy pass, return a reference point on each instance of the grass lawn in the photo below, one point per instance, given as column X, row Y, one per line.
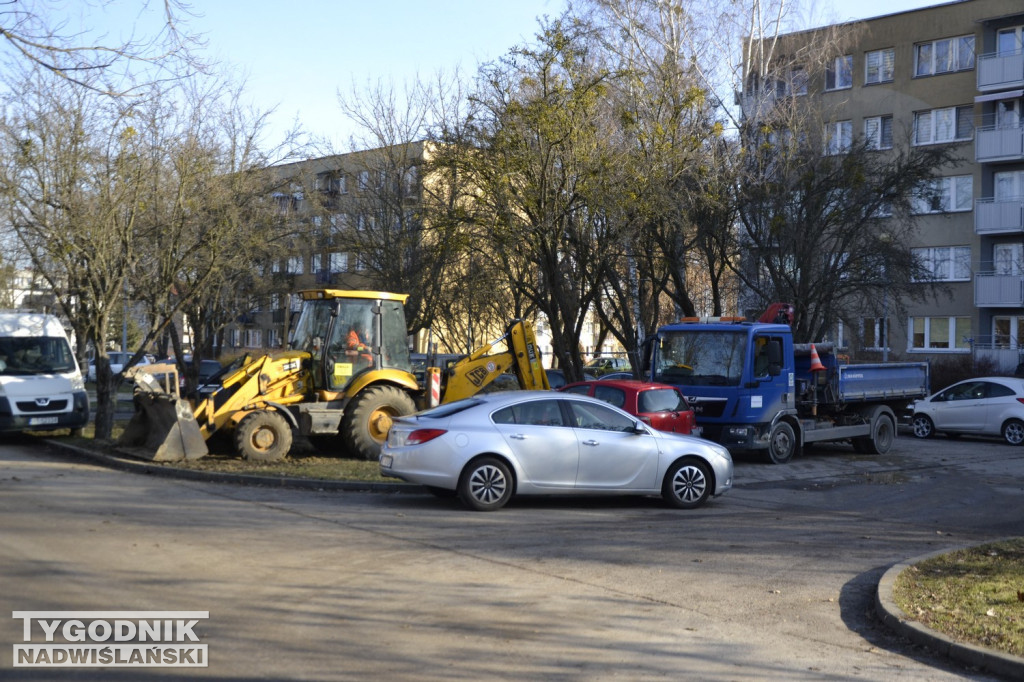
column 973, row 595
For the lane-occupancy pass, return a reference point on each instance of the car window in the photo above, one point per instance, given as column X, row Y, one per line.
column 591, row 416
column 998, row 391
column 535, row 413
column 449, row 409
column 970, row 390
column 611, row 395
column 581, row 390
column 661, row 400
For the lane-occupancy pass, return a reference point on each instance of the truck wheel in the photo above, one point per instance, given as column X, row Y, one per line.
column 263, row 437
column 781, row 443
column 368, row 419
column 1013, row 432
column 883, row 433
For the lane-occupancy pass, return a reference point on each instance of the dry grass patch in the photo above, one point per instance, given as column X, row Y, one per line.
column 973, row 595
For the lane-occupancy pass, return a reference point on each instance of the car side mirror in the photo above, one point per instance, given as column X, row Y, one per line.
column 639, row 427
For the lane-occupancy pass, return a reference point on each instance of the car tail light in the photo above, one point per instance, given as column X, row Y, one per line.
column 1020, row 400
column 423, row 435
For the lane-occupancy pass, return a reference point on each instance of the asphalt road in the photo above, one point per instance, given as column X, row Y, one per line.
column 773, row 581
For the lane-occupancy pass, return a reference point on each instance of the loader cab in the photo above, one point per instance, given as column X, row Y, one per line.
column 350, row 333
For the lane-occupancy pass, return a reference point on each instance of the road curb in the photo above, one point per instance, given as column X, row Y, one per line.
column 126, row 463
column 996, row 662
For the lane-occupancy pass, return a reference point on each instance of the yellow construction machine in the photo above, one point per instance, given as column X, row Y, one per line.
column 346, row 373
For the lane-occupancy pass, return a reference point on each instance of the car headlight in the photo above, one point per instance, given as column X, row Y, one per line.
column 77, row 382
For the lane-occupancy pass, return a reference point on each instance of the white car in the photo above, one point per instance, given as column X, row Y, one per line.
column 987, row 406
column 117, row 361
column 487, row 448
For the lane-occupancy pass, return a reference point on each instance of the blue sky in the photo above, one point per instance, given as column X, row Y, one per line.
column 297, row 55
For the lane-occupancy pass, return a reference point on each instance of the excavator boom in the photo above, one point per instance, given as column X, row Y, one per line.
column 473, row 373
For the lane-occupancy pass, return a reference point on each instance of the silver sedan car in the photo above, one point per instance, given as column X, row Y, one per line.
column 490, row 447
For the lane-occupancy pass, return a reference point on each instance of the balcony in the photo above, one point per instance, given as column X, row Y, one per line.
column 999, row 217
column 998, row 291
column 1000, row 71
column 998, row 144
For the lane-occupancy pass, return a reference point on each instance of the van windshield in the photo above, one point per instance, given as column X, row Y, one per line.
column 22, row 355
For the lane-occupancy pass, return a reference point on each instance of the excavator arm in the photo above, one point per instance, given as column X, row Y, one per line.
column 473, row 373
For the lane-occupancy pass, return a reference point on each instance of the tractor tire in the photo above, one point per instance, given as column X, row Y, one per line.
column 368, row 419
column 263, row 436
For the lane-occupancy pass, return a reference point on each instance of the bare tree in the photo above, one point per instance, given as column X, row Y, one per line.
column 41, row 33
column 541, row 160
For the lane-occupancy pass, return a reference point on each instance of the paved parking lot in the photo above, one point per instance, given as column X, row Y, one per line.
column 775, row 580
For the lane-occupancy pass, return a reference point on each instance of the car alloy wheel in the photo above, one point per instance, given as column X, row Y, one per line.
column 923, row 426
column 1013, row 432
column 486, row 484
column 687, row 484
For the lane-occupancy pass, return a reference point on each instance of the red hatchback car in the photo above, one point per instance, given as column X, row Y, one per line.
column 659, row 405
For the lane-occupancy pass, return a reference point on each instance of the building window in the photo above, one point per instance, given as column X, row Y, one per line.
column 940, row 333
column 879, row 66
column 874, row 335
column 945, row 195
column 944, row 56
column 952, row 124
column 337, row 262
column 1007, row 332
column 294, row 266
column 364, row 180
column 839, row 73
column 838, row 137
column 410, row 181
column 878, row 132
column 1008, row 259
column 945, row 263
column 253, row 338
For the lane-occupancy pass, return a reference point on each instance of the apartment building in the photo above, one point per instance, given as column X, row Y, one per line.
column 950, row 74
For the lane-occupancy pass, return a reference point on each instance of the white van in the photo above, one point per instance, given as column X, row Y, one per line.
column 41, row 387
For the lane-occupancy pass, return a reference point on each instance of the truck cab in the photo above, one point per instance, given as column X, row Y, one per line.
column 738, row 377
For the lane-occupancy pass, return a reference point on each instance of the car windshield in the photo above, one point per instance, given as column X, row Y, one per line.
column 661, row 400
column 22, row 355
column 702, row 357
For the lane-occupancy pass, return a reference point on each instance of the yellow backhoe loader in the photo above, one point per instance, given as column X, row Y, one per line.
column 347, row 373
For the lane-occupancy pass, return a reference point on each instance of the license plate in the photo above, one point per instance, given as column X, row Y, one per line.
column 37, row 421
column 385, row 460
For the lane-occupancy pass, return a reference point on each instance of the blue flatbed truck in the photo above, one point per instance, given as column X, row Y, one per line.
column 752, row 388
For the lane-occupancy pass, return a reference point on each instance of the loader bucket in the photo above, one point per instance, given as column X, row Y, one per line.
column 163, row 429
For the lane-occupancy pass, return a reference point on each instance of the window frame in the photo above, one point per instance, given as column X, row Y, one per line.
column 877, row 141
column 951, row 258
column 960, row 113
column 947, row 196
column 886, row 69
column 839, row 66
column 956, row 345
column 953, row 50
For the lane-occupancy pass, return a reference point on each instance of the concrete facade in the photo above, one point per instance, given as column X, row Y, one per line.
column 949, row 74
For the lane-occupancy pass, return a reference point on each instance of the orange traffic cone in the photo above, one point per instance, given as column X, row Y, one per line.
column 816, row 365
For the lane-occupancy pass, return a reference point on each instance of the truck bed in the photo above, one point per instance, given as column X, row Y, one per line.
column 881, row 382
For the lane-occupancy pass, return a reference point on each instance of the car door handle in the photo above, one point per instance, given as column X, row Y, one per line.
column 518, row 436
column 591, row 442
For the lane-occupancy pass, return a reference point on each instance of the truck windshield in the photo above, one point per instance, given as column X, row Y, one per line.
column 701, row 357
column 24, row 355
